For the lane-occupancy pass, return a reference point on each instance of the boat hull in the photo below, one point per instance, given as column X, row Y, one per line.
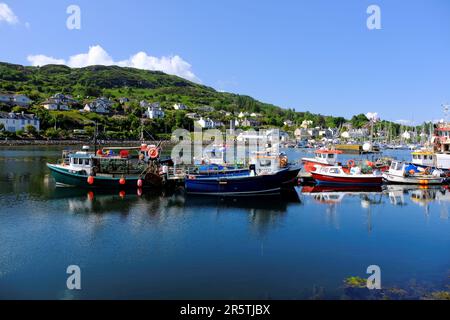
column 241, row 185
column 322, row 179
column 396, row 179
column 64, row 177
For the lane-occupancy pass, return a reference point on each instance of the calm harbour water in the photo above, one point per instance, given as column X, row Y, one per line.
column 296, row 246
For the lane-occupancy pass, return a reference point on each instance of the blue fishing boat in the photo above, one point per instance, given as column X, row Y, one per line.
column 263, row 177
column 242, row 184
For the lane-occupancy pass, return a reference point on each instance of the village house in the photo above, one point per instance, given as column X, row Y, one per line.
column 243, row 114
column 154, row 111
column 143, row 104
column 59, row 101
column 123, row 100
column 205, row 123
column 192, row 115
column 328, row 133
column 15, row 99
column 18, row 121
column 284, row 136
column 250, row 123
column 288, row 123
column 179, row 106
column 101, row 105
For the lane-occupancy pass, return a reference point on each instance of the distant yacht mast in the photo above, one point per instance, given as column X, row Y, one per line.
column 446, row 107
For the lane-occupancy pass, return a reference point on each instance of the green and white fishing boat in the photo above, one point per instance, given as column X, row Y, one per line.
column 115, row 167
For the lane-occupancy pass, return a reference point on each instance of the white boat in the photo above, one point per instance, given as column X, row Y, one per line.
column 322, row 158
column 423, row 158
column 401, row 172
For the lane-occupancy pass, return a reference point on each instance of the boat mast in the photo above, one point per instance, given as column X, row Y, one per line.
column 95, row 137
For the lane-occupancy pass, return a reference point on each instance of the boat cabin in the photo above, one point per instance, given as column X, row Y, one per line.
column 423, row 158
column 80, row 161
column 327, row 156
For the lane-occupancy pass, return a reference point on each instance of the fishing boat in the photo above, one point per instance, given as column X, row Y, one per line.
column 322, row 158
column 423, row 158
column 336, row 175
column 404, row 173
column 112, row 167
column 268, row 175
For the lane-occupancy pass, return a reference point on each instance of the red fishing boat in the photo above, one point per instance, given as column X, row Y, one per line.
column 336, row 175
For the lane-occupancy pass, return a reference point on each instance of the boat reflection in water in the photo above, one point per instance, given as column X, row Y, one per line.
column 423, row 196
column 398, row 195
column 158, row 206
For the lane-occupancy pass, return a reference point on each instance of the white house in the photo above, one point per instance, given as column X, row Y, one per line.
column 154, row 111
column 205, row 123
column 15, row 99
column 288, row 123
column 18, row 121
column 243, row 114
column 100, row 105
column 179, row 106
column 59, row 101
column 123, row 100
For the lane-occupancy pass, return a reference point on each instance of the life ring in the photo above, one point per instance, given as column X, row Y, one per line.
column 351, row 163
column 153, row 153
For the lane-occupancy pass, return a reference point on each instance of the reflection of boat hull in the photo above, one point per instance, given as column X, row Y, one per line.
column 323, row 179
column 64, row 177
column 349, row 188
column 241, row 185
column 393, row 178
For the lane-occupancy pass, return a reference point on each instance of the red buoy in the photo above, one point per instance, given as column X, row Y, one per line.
column 139, row 192
column 140, row 183
column 122, row 181
column 90, row 195
column 122, row 194
column 90, row 180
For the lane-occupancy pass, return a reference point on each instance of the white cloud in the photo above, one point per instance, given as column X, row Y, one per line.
column 7, row 15
column 41, row 60
column 98, row 56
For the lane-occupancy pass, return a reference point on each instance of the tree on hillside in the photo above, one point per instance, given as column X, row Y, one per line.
column 359, row 120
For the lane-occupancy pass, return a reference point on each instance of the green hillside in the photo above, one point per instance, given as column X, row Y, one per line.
column 84, row 84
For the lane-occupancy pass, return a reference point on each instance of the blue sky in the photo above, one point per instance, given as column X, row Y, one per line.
column 308, row 55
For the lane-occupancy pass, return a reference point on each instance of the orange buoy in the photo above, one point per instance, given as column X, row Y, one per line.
column 140, row 183
column 122, row 181
column 90, row 180
column 153, row 153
